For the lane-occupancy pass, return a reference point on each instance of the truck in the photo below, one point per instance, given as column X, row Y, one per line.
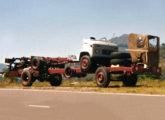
column 99, row 57
column 96, row 52
column 101, row 52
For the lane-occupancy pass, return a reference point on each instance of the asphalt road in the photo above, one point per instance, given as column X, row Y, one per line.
column 58, row 105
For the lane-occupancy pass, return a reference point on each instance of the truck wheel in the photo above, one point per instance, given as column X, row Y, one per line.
column 85, row 63
column 68, row 72
column 102, row 77
column 124, row 62
column 37, row 63
column 26, row 78
column 130, row 81
column 120, row 55
column 55, row 79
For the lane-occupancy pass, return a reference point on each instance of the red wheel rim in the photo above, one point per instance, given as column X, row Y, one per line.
column 100, row 77
column 68, row 73
column 84, row 63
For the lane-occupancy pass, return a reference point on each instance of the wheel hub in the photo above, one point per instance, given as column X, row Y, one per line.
column 85, row 63
column 100, row 77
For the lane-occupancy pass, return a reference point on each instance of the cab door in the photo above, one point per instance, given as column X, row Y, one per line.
column 153, row 51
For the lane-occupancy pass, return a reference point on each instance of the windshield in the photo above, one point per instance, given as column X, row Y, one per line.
column 153, row 42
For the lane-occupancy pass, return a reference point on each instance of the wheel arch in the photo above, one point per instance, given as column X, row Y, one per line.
column 84, row 53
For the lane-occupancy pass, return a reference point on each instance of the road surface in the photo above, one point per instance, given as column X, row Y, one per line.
column 19, row 104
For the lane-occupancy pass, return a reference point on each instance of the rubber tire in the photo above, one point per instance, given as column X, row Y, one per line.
column 120, row 55
column 88, row 67
column 37, row 63
column 55, row 79
column 81, row 75
column 68, row 72
column 124, row 62
column 27, row 82
column 130, row 81
column 106, row 77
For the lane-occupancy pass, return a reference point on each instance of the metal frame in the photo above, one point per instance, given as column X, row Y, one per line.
column 134, row 69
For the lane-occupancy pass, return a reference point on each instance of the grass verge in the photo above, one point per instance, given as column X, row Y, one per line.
column 144, row 86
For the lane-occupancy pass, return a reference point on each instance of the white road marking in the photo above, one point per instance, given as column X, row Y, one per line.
column 82, row 92
column 39, row 106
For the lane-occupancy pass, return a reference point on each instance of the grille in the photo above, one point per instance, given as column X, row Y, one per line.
column 106, row 52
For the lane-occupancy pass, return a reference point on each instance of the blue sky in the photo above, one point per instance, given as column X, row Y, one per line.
column 56, row 27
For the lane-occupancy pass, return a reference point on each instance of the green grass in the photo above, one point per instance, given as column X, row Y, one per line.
column 6, row 82
column 146, row 86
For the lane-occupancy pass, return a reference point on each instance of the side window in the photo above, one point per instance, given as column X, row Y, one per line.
column 153, row 42
column 140, row 42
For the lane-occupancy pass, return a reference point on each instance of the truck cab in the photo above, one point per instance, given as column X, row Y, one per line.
column 96, row 53
column 144, row 49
